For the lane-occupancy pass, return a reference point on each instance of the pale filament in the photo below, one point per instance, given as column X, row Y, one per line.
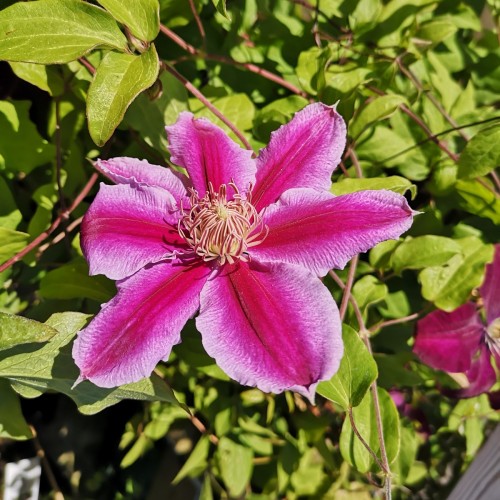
column 493, row 336
column 222, row 229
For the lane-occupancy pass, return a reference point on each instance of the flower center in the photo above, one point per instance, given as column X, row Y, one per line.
column 494, row 329
column 493, row 335
column 222, row 229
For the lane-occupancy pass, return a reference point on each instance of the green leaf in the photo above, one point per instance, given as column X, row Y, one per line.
column 436, row 31
column 141, row 17
column 220, row 5
column 119, row 79
column 141, row 446
column 381, row 254
column 10, row 216
column 72, row 281
column 33, row 370
column 149, row 117
column 369, row 290
column 478, row 200
column 12, row 422
column 365, row 420
column 197, row 461
column 11, row 242
column 381, row 107
column 44, row 77
column 356, row 373
column 235, row 464
column 16, row 330
column 56, row 31
column 392, row 183
column 449, row 286
column 481, row 155
column 16, row 131
column 424, row 251
column 407, row 454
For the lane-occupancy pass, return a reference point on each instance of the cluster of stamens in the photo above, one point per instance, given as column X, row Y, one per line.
column 222, row 229
column 493, row 335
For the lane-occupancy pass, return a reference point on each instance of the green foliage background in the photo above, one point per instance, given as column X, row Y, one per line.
column 417, row 82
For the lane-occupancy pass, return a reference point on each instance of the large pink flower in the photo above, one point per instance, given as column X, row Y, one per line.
column 242, row 240
column 460, row 341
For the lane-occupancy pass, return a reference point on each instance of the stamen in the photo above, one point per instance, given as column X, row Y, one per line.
column 222, row 229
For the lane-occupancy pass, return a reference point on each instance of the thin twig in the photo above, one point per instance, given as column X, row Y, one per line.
column 391, row 322
column 201, row 29
column 58, row 237
column 495, row 179
column 418, row 85
column 227, row 60
column 363, row 442
column 87, row 64
column 407, row 111
column 355, row 162
column 435, row 136
column 43, row 236
column 348, row 287
column 201, row 427
column 46, row 466
column 364, row 334
column 191, row 88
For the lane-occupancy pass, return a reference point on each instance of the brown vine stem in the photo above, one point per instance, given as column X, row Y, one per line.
column 46, row 466
column 391, row 322
column 201, row 427
column 87, row 64
column 418, row 85
column 363, row 441
column 201, row 29
column 348, row 286
column 59, row 237
column 227, row 60
column 407, row 111
column 191, row 88
column 43, row 236
column 364, row 334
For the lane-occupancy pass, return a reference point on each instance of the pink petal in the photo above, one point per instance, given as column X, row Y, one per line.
column 139, row 326
column 449, row 341
column 123, row 170
column 490, row 289
column 321, row 231
column 481, row 375
column 208, row 154
column 275, row 327
column 301, row 154
column 127, row 227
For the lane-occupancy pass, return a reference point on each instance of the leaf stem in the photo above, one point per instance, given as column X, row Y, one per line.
column 407, row 111
column 348, row 286
column 363, row 441
column 364, row 334
column 40, row 452
column 191, row 88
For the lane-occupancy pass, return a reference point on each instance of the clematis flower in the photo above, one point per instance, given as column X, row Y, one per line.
column 460, row 341
column 243, row 241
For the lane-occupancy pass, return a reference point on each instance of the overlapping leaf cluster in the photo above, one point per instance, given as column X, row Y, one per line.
column 417, row 82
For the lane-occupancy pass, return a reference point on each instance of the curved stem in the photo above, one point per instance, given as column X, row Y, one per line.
column 227, row 60
column 43, row 236
column 191, row 88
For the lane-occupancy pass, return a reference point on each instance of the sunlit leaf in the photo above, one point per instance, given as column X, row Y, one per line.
column 356, row 373
column 119, row 79
column 56, row 31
